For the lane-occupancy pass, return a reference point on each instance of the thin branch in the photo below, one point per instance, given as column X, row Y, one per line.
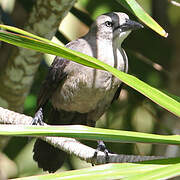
column 71, row 145
column 153, row 64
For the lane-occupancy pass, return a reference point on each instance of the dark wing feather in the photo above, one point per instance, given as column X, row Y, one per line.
column 55, row 75
column 116, row 95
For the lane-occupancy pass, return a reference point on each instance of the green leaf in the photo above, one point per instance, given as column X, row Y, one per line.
column 138, row 11
column 25, row 33
column 159, row 173
column 107, row 171
column 89, row 133
column 42, row 46
column 154, row 94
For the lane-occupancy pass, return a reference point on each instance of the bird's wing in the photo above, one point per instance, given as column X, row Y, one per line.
column 116, row 95
column 55, row 75
column 56, row 72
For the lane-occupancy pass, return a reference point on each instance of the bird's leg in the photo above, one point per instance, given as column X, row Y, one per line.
column 38, row 118
column 102, row 147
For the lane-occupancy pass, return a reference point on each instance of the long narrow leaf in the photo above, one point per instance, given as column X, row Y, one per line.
column 41, row 46
column 159, row 173
column 25, row 33
column 85, row 132
column 100, row 172
column 138, row 11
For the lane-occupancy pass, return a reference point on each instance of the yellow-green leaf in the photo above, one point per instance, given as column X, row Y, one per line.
column 138, row 11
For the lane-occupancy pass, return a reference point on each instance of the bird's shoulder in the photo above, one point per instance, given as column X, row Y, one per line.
column 81, row 45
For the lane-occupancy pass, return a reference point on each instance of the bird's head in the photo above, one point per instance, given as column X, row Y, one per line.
column 114, row 26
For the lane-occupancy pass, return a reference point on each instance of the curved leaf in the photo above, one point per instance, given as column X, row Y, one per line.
column 138, row 11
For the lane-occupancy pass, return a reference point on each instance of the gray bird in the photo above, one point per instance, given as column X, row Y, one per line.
column 80, row 94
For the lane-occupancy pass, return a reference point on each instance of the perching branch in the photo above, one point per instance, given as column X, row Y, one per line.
column 70, row 145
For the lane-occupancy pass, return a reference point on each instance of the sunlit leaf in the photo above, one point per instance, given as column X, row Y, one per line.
column 112, row 171
column 159, row 173
column 138, row 11
column 85, row 132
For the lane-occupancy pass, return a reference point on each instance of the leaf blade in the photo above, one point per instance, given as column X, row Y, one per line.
column 88, row 133
column 100, row 172
column 138, row 11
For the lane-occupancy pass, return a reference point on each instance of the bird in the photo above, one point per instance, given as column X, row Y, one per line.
column 80, row 95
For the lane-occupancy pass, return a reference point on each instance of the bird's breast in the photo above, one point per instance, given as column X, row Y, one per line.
column 86, row 89
column 83, row 90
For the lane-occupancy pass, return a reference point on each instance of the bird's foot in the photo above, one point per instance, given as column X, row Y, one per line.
column 102, row 147
column 38, row 118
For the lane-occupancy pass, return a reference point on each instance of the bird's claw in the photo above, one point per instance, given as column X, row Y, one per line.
column 102, row 147
column 38, row 118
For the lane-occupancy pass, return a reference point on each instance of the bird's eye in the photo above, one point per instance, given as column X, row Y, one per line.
column 108, row 23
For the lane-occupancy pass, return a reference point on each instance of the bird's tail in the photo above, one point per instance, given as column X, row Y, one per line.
column 48, row 157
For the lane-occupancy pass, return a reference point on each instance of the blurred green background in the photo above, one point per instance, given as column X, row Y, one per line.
column 152, row 58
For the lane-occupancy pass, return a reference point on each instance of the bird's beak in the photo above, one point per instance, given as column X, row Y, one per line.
column 130, row 25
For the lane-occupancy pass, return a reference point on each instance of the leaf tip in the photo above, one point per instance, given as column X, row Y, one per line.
column 165, row 34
